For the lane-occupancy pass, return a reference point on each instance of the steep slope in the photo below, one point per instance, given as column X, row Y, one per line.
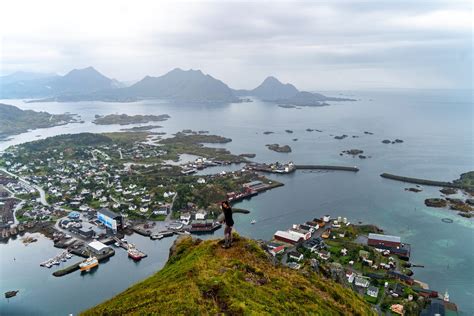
column 178, row 84
column 201, row 278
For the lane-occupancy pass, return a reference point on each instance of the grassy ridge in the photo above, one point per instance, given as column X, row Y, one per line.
column 201, row 278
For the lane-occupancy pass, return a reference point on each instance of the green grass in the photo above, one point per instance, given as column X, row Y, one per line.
column 201, row 278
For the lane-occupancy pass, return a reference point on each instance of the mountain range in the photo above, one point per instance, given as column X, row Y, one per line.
column 178, row 85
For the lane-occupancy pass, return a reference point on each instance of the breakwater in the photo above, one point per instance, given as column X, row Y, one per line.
column 75, row 266
column 421, row 181
column 324, row 167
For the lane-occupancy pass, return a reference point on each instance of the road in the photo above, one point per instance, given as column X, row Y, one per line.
column 37, row 188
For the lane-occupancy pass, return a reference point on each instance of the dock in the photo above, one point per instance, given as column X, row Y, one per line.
column 75, row 266
column 422, row 181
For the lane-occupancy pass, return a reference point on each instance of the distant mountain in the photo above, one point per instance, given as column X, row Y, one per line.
column 77, row 81
column 178, row 84
column 271, row 89
column 24, row 76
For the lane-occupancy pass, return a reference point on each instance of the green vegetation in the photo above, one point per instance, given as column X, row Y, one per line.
column 201, row 278
column 192, row 144
column 124, row 119
column 466, row 180
column 15, row 121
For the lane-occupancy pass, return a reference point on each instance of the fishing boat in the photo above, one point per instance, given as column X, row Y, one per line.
column 88, row 264
column 253, row 222
column 134, row 253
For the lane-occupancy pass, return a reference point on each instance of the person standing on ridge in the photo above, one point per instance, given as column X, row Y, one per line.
column 229, row 223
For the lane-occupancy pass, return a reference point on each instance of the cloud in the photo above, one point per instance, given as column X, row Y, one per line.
column 316, row 45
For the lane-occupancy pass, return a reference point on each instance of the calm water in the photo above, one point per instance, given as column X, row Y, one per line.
column 438, row 133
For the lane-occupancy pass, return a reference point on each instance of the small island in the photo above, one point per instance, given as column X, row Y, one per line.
column 279, row 149
column 141, row 128
column 124, row 119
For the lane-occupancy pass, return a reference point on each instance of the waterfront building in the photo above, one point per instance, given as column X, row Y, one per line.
column 110, row 219
column 287, row 236
column 97, row 248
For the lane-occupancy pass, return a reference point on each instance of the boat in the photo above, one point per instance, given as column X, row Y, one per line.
column 134, row 253
column 69, row 256
column 56, row 262
column 253, row 222
column 48, row 265
column 156, row 236
column 88, row 264
column 117, row 244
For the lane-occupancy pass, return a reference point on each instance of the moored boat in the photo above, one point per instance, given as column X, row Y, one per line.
column 88, row 264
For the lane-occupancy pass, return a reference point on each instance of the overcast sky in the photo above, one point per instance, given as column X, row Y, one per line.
column 316, row 45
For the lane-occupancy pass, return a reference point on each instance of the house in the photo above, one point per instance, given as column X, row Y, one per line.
column 287, row 236
column 350, row 276
column 185, row 218
column 304, row 234
column 295, row 255
column 361, row 281
column 294, row 265
column 323, row 254
column 201, row 214
column 373, row 291
column 277, row 250
column 397, row 309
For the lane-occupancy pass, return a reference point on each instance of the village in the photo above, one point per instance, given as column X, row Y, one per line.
column 362, row 258
column 89, row 198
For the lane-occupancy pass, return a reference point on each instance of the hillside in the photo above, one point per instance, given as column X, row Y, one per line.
column 15, row 121
column 201, row 278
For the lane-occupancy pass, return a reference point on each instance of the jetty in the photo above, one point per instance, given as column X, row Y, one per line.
column 75, row 266
column 326, row 167
column 291, row 167
column 422, row 181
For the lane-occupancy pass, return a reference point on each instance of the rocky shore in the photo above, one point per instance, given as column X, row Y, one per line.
column 279, row 148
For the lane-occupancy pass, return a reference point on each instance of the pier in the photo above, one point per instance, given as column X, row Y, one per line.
column 75, row 266
column 421, row 181
column 326, row 167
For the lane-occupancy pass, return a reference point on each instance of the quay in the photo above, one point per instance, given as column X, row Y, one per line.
column 75, row 266
column 422, row 181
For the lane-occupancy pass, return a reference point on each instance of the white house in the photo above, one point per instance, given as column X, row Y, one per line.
column 361, row 281
column 201, row 214
column 373, row 291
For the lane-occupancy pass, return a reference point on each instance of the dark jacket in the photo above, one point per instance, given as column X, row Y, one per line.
column 229, row 221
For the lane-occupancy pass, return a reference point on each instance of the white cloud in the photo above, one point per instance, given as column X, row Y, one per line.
column 242, row 42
